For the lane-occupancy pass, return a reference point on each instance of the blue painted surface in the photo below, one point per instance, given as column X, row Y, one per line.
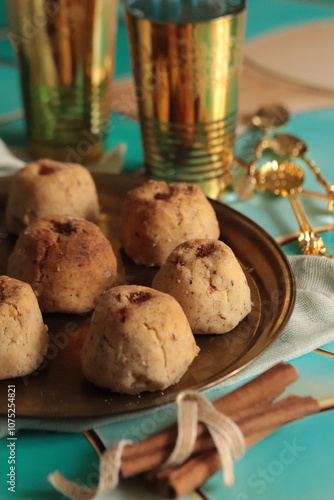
column 3, row 14
column 34, row 462
column 123, row 63
column 268, row 15
column 10, row 89
column 287, row 465
column 7, row 55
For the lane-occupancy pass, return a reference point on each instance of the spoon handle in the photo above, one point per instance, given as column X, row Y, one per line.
column 299, row 211
column 312, row 243
column 320, row 178
column 313, row 194
column 261, row 145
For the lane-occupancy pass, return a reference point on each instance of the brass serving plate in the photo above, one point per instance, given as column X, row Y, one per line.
column 58, row 389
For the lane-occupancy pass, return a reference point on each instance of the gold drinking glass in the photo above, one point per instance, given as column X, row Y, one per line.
column 65, row 54
column 186, row 59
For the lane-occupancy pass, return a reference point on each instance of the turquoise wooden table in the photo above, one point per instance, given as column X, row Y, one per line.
column 308, row 445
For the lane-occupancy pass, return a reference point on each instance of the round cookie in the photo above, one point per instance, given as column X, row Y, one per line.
column 206, row 279
column 139, row 340
column 48, row 187
column 23, row 336
column 157, row 216
column 67, row 261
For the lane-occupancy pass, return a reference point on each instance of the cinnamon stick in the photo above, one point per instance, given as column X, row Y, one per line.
column 259, row 392
column 63, row 44
column 173, row 482
column 156, row 456
column 284, row 411
column 263, row 419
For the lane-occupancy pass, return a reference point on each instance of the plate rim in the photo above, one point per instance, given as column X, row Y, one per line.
column 289, row 302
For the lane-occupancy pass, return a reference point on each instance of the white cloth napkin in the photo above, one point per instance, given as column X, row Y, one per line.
column 312, row 322
column 8, row 162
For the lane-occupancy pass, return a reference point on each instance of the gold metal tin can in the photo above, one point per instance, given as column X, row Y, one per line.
column 186, row 78
column 65, row 52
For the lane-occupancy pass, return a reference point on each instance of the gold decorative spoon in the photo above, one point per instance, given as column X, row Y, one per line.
column 286, row 179
column 270, row 116
column 266, row 118
column 289, row 145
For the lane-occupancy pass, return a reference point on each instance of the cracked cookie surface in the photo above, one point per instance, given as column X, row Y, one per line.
column 139, row 340
column 157, row 216
column 207, row 280
column 67, row 261
column 48, row 187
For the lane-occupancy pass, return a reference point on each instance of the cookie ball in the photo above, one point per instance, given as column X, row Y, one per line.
column 23, row 335
column 48, row 187
column 205, row 277
column 139, row 340
column 67, row 261
column 158, row 216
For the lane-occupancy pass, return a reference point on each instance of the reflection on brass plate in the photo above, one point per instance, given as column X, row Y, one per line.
column 58, row 390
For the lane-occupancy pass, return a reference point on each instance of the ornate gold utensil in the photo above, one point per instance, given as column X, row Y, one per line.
column 266, row 118
column 289, row 145
column 286, row 179
column 313, row 194
column 270, row 116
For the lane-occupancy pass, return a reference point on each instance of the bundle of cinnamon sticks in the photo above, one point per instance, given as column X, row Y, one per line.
column 253, row 409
